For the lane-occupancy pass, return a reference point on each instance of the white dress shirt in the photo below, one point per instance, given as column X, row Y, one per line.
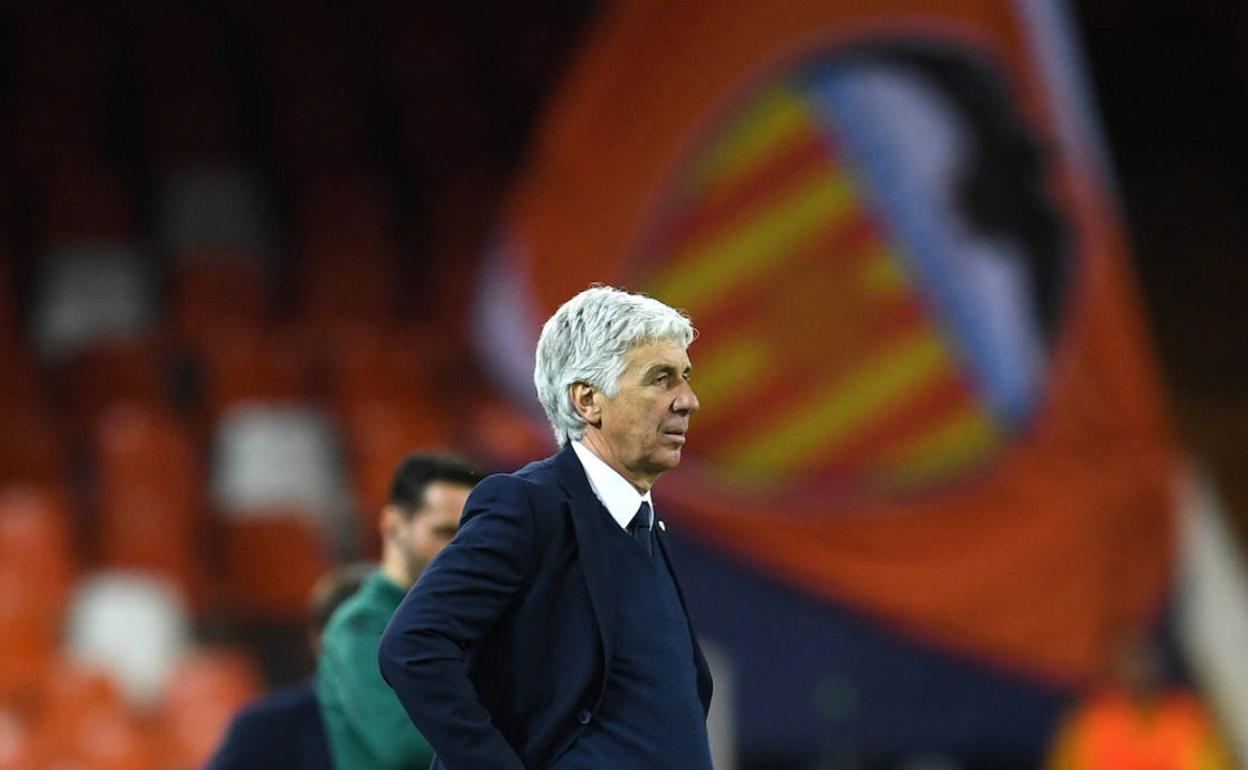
column 617, row 495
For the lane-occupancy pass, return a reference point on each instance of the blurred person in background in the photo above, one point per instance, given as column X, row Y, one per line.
column 364, row 721
column 1136, row 721
column 552, row 632
column 284, row 729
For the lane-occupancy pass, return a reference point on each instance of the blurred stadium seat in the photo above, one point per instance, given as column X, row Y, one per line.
column 277, row 457
column 380, row 432
column 15, row 736
column 499, row 434
column 213, row 207
column 255, row 365
column 150, row 491
column 272, row 560
column 117, row 370
column 37, row 564
column 365, row 363
column 131, row 625
column 349, row 283
column 217, row 293
column 85, row 294
column 32, row 450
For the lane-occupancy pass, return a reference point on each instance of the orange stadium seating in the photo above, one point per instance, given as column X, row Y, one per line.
column 83, row 722
column 232, row 266
column 205, row 691
column 217, row 293
column 37, row 565
column 149, row 489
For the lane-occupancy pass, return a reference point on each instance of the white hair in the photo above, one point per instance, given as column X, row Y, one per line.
column 586, row 340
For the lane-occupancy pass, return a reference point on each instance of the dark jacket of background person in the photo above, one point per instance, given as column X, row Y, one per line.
column 283, row 730
column 499, row 651
column 280, row 731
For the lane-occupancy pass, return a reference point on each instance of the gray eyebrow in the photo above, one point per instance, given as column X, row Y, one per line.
column 664, row 367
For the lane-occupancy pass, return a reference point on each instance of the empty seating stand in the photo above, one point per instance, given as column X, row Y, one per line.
column 221, row 221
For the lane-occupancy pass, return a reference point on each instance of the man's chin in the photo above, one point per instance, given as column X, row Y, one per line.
column 670, row 459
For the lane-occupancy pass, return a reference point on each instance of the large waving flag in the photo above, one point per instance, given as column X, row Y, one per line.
column 926, row 400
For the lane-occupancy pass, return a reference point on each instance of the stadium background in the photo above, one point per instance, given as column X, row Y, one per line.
column 237, row 238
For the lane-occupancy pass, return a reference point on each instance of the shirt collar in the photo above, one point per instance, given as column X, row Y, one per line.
column 620, row 498
column 381, row 586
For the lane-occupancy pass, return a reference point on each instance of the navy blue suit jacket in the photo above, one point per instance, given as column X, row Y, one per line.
column 282, row 731
column 499, row 653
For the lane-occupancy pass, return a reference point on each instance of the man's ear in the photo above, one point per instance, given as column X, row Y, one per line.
column 583, row 399
column 391, row 518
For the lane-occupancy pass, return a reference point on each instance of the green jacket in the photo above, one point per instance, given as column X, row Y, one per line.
column 364, row 722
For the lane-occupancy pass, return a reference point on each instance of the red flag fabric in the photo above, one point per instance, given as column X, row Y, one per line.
column 925, row 387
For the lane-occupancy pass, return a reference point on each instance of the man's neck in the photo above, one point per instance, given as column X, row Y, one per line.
column 396, row 569
column 617, row 495
column 592, row 441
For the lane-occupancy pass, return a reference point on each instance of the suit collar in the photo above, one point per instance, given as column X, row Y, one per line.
column 572, row 475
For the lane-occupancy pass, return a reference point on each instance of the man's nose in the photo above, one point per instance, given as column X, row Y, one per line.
column 686, row 400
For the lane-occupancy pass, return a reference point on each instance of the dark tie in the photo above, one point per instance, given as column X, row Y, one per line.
column 639, row 528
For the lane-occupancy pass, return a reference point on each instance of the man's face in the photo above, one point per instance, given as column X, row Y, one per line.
column 642, row 430
column 427, row 531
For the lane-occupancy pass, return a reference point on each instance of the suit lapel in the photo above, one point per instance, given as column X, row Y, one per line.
column 587, row 522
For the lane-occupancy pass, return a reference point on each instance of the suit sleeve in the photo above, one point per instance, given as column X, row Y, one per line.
column 457, row 600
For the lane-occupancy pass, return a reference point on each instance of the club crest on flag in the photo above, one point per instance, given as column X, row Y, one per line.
column 865, row 240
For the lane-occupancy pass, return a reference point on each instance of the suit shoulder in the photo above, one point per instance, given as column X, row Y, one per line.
column 539, row 471
column 295, row 703
column 532, row 493
column 533, row 480
column 283, row 709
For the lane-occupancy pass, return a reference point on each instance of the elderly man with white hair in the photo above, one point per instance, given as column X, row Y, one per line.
column 552, row 632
